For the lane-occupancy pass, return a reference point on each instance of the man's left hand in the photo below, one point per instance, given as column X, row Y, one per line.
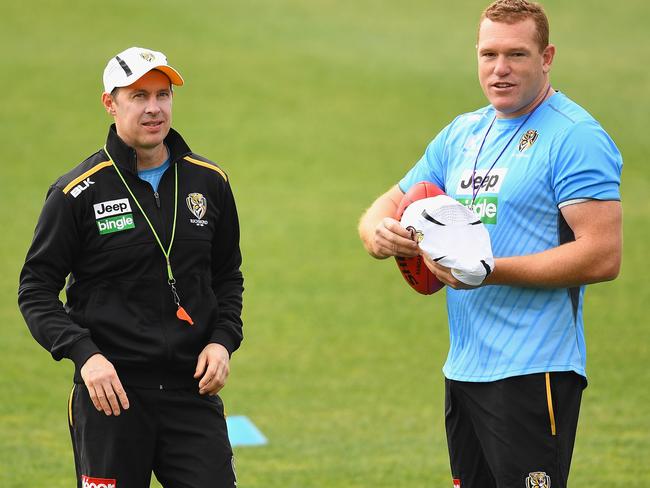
column 213, row 367
column 444, row 274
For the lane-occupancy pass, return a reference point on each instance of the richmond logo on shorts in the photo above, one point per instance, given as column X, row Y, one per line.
column 87, row 482
column 538, row 479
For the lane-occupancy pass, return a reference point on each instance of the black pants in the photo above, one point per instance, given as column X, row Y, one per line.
column 513, row 433
column 179, row 435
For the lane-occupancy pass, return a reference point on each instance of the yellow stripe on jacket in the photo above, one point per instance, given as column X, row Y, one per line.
column 87, row 174
column 206, row 165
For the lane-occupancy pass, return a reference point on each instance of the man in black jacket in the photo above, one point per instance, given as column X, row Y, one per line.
column 147, row 233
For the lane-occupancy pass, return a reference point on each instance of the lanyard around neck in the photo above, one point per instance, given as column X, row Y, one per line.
column 475, row 190
column 181, row 313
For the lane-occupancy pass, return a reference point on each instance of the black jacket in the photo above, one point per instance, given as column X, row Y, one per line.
column 119, row 302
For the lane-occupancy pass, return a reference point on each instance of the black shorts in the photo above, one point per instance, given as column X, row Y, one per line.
column 513, row 433
column 179, row 435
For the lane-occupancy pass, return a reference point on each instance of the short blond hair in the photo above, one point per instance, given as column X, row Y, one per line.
column 512, row 11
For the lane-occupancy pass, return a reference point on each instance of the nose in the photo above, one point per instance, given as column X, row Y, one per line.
column 501, row 67
column 152, row 105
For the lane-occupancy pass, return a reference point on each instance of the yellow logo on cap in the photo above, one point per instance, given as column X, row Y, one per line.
column 147, row 56
column 416, row 235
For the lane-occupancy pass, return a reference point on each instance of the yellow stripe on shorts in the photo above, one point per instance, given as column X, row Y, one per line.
column 549, row 401
column 70, row 406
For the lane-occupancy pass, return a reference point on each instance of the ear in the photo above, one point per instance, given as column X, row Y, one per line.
column 109, row 103
column 547, row 57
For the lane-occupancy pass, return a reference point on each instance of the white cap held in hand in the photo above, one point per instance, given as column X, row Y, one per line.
column 452, row 235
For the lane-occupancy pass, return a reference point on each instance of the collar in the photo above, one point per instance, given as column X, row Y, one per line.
column 125, row 157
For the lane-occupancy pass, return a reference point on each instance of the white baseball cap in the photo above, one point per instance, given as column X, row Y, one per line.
column 130, row 65
column 452, row 235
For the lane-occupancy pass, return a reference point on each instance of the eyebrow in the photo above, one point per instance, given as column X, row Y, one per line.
column 509, row 50
column 143, row 90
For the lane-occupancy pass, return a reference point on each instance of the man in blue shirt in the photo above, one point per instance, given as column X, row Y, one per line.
column 543, row 176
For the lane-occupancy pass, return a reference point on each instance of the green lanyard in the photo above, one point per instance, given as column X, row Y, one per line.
column 180, row 312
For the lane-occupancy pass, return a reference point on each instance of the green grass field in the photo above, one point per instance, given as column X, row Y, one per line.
column 314, row 108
